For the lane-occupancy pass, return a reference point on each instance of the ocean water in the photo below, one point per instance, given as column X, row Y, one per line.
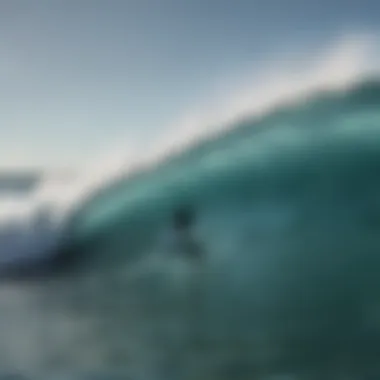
column 287, row 210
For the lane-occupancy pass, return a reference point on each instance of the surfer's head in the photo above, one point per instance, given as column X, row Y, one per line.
column 183, row 218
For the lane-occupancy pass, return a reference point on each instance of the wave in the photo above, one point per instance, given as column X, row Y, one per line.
column 313, row 125
column 286, row 99
column 288, row 215
column 338, row 66
column 287, row 210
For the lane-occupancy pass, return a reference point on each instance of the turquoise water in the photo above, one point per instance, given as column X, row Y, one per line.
column 288, row 218
column 288, row 212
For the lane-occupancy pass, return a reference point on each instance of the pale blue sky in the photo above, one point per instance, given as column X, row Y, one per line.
column 76, row 75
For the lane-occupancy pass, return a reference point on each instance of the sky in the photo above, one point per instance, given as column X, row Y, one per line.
column 78, row 76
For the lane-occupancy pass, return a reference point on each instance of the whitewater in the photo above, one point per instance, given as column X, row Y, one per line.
column 284, row 181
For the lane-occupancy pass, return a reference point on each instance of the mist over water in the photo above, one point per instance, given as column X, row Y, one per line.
column 287, row 203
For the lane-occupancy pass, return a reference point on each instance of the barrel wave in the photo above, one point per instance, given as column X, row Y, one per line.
column 288, row 213
column 288, row 217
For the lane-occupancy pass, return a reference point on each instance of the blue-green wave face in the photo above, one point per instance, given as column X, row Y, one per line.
column 288, row 215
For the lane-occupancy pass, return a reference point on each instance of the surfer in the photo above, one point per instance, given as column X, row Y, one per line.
column 193, row 252
column 183, row 222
